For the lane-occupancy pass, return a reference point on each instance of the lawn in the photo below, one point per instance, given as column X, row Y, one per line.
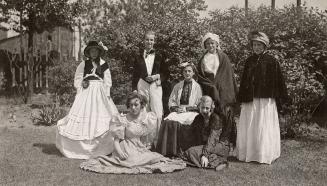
column 28, row 156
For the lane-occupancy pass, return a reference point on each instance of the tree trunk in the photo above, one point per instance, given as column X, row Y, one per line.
column 298, row 3
column 30, row 69
column 273, row 4
column 246, row 7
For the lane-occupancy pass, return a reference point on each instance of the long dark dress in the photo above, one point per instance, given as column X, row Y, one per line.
column 209, row 141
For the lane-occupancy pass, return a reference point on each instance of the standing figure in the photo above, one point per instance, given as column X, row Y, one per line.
column 262, row 85
column 130, row 155
column 83, row 133
column 149, row 72
column 216, row 77
column 210, row 148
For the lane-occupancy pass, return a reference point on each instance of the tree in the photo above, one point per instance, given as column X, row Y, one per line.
column 121, row 26
column 37, row 16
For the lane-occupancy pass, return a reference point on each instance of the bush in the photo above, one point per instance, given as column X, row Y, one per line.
column 298, row 36
column 61, row 82
column 48, row 115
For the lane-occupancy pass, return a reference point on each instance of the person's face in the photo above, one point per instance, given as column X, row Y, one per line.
column 149, row 41
column 188, row 73
column 210, row 45
column 205, row 108
column 258, row 47
column 94, row 53
column 135, row 106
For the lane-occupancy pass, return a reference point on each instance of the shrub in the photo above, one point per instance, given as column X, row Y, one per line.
column 298, row 36
column 61, row 82
column 48, row 115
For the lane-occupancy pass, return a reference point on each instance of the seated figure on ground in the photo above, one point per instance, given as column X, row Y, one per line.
column 130, row 155
column 209, row 132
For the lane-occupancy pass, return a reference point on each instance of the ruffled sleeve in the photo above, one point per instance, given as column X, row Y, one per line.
column 78, row 78
column 151, row 124
column 117, row 126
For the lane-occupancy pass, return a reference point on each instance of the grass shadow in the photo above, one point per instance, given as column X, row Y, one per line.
column 48, row 148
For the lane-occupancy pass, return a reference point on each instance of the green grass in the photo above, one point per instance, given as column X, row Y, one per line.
column 28, row 156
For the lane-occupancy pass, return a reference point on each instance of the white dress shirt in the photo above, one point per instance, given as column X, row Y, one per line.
column 149, row 60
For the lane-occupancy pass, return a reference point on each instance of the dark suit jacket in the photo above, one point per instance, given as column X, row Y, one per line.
column 140, row 72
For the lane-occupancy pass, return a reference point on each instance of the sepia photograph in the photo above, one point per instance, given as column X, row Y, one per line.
column 163, row 92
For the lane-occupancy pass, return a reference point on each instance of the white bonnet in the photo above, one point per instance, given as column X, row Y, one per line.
column 212, row 36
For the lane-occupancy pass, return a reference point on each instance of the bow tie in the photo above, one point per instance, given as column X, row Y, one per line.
column 149, row 52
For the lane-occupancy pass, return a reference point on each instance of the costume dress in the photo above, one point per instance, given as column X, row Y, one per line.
column 262, row 86
column 83, row 133
column 209, row 140
column 140, row 159
column 174, row 135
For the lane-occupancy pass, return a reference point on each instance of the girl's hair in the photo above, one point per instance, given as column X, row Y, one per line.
column 134, row 95
column 205, row 99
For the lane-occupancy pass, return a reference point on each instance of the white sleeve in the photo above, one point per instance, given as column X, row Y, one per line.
column 107, row 82
column 198, row 95
column 173, row 97
column 79, row 76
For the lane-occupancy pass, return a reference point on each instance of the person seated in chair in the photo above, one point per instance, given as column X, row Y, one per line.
column 174, row 134
column 184, row 97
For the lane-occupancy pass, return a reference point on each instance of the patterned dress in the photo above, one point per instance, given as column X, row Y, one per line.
column 140, row 159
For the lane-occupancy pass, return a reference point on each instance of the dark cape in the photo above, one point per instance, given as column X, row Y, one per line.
column 222, row 89
column 262, row 78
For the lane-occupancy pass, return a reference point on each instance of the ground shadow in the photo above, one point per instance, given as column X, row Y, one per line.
column 48, row 148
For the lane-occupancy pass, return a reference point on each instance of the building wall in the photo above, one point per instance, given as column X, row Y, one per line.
column 62, row 40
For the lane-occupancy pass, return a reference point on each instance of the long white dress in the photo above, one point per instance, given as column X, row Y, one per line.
column 83, row 133
column 258, row 134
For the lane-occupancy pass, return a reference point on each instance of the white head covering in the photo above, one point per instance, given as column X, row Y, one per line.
column 212, row 36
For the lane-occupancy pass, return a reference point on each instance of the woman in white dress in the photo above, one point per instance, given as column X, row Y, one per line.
column 262, row 85
column 83, row 133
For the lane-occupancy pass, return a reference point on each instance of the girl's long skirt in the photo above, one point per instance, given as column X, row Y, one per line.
column 84, row 132
column 258, row 134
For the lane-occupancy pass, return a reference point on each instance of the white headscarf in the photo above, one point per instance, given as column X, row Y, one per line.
column 212, row 36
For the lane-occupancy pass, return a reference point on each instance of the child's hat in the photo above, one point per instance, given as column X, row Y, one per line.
column 97, row 45
column 260, row 36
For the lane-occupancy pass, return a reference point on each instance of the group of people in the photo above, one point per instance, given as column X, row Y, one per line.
column 202, row 103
